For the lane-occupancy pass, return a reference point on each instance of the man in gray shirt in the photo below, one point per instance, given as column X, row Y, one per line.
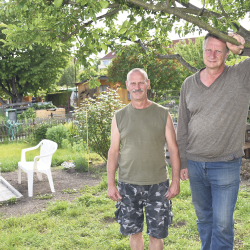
column 210, row 135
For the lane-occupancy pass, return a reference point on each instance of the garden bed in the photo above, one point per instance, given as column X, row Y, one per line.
column 69, row 185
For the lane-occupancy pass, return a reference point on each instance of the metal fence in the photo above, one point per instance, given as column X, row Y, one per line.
column 25, row 128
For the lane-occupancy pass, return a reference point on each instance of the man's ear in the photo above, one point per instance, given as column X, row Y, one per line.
column 148, row 85
column 227, row 54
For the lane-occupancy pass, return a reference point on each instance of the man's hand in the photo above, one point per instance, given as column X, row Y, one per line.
column 114, row 194
column 173, row 190
column 184, row 174
column 236, row 49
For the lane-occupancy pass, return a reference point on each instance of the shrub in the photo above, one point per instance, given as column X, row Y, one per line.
column 100, row 112
column 40, row 131
column 43, row 106
column 81, row 164
column 27, row 114
column 72, row 130
column 57, row 134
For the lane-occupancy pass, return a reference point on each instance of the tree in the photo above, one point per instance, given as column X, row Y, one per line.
column 163, row 74
column 69, row 75
column 147, row 23
column 26, row 71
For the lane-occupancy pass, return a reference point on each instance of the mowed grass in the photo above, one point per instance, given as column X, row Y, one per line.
column 89, row 223
column 10, row 155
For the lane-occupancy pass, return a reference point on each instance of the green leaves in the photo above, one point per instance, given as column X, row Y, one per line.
column 104, row 4
column 99, row 113
column 58, row 3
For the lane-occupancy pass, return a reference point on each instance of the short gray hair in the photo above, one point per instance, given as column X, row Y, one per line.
column 214, row 36
column 143, row 72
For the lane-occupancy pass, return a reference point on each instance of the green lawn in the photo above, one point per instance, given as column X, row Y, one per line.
column 10, row 155
column 88, row 222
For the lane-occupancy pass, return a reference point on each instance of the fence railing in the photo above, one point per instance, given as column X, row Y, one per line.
column 26, row 127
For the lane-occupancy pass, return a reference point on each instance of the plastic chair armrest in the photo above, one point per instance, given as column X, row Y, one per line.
column 23, row 158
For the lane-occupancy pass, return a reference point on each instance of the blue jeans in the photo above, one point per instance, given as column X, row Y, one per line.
column 214, row 189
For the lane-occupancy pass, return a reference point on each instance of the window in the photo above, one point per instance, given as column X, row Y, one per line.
column 106, row 62
column 103, row 88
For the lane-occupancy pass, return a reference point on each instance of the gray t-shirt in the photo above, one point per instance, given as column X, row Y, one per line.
column 142, row 157
column 212, row 120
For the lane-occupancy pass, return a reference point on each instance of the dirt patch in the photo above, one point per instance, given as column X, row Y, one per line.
column 67, row 184
column 65, row 180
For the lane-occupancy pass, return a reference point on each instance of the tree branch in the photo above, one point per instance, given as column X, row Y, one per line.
column 90, row 22
column 222, row 9
column 5, row 90
column 189, row 18
column 170, row 57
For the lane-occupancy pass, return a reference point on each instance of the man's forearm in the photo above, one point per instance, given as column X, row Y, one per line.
column 175, row 164
column 112, row 165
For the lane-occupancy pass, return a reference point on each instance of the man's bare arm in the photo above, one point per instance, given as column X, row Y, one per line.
column 112, row 163
column 174, row 188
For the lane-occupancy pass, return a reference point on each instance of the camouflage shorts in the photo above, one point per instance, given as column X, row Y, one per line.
column 129, row 213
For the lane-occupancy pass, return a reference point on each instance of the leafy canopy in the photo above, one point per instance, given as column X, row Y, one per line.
column 93, row 24
column 27, row 70
column 163, row 74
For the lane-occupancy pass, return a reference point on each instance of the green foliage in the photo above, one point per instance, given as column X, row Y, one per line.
column 40, row 131
column 99, row 112
column 28, row 70
column 43, row 106
column 69, row 75
column 81, row 164
column 91, row 75
column 44, row 196
column 192, row 52
column 57, row 134
column 11, row 201
column 56, row 22
column 163, row 74
column 69, row 191
column 27, row 114
column 72, row 130
column 59, row 98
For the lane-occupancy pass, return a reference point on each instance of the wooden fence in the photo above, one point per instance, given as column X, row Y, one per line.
column 26, row 127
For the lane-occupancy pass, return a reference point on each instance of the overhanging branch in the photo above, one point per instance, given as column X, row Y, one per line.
column 181, row 13
column 170, row 57
column 90, row 22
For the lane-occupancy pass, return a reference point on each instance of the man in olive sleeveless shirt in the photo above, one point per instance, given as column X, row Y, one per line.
column 139, row 132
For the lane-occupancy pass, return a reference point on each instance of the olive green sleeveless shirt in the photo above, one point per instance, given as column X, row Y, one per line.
column 142, row 158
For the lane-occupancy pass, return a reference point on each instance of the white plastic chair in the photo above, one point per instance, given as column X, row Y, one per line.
column 41, row 164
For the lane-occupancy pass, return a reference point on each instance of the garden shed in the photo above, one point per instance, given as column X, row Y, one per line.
column 84, row 90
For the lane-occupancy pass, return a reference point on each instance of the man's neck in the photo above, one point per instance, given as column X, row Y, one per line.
column 208, row 76
column 141, row 104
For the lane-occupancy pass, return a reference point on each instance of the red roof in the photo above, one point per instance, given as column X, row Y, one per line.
column 110, row 55
column 182, row 40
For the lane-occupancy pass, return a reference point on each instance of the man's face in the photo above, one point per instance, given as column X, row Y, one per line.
column 137, row 86
column 215, row 53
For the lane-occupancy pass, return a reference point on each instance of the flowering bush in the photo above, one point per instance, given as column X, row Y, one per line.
column 99, row 112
